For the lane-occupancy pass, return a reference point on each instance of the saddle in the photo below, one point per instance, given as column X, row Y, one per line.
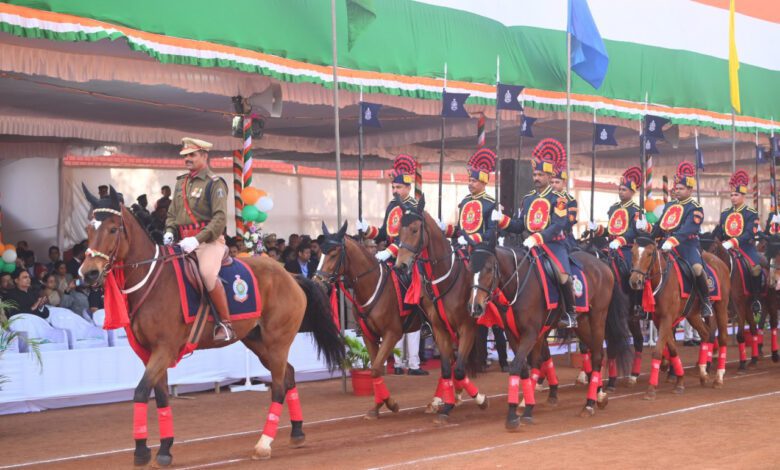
column 548, row 277
column 191, row 271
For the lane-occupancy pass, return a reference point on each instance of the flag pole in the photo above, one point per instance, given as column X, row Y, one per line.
column 568, row 111
column 756, row 192
column 338, row 157
column 773, row 172
column 498, row 134
column 642, row 157
column 696, row 142
column 360, row 156
column 593, row 167
column 441, row 151
column 733, row 143
column 516, row 200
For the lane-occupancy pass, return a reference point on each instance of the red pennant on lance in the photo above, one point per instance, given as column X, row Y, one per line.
column 412, row 296
column 115, row 301
column 648, row 299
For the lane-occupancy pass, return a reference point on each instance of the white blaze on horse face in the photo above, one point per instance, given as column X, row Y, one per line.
column 641, row 250
column 95, row 224
column 474, row 291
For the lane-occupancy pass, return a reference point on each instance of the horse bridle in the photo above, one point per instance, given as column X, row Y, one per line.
column 647, row 273
column 417, row 250
column 494, row 283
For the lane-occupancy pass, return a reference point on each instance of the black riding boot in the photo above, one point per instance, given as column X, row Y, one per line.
column 569, row 317
column 704, row 295
column 755, row 292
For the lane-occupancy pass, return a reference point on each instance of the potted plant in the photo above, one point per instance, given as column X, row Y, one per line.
column 7, row 337
column 358, row 362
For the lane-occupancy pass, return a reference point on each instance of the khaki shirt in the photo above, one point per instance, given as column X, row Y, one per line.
column 215, row 214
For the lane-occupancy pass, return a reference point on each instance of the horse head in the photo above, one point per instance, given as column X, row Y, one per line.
column 643, row 255
column 106, row 236
column 411, row 237
column 333, row 248
column 483, row 265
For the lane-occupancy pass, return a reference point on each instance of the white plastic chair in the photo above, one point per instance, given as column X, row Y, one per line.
column 34, row 327
column 81, row 335
column 116, row 337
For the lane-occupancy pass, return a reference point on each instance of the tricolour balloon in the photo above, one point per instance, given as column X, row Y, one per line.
column 265, row 204
column 9, row 255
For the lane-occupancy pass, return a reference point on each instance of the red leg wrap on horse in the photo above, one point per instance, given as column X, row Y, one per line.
column 593, row 387
column 513, row 397
column 710, row 349
column 468, row 386
column 140, row 429
column 678, row 367
column 748, row 337
column 549, row 370
column 703, row 353
column 528, row 391
column 294, row 404
column 717, row 345
column 637, row 369
column 448, row 392
column 381, row 393
column 666, row 354
column 760, row 337
column 774, row 339
column 586, row 365
column 535, row 374
column 439, row 388
column 272, row 422
column 754, row 346
column 722, row 358
column 655, row 369
column 742, row 353
column 612, row 368
column 165, row 420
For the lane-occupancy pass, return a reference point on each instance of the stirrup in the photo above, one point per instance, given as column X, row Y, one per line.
column 426, row 330
column 224, row 332
column 755, row 306
column 567, row 320
column 706, row 310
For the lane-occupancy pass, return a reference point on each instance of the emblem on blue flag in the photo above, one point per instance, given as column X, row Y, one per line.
column 526, row 128
column 604, row 134
column 760, row 157
column 453, row 105
column 369, row 114
column 699, row 159
column 650, row 145
column 654, row 126
column 508, row 97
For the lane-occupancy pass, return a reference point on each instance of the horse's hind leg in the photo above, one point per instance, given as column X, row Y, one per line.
column 297, row 437
column 639, row 343
column 704, row 349
column 676, row 366
column 154, row 377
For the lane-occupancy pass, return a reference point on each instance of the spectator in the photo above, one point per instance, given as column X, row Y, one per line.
column 164, row 202
column 300, row 265
column 54, row 256
column 281, row 245
column 315, row 251
column 6, row 284
column 75, row 263
column 95, row 298
column 103, row 191
column 22, row 245
column 142, row 213
column 233, row 250
column 273, row 253
column 287, row 255
column 28, row 258
column 76, row 298
column 295, row 241
column 25, row 301
column 50, row 290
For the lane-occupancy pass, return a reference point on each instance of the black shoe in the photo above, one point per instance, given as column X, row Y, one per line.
column 417, row 372
column 398, row 371
column 567, row 320
column 704, row 296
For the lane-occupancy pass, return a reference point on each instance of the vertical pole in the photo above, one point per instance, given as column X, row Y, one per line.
column 441, row 150
column 516, row 202
column 642, row 163
column 360, row 156
column 338, row 159
column 696, row 140
column 498, row 135
column 238, row 186
column 733, row 143
column 756, row 189
column 568, row 111
column 592, row 168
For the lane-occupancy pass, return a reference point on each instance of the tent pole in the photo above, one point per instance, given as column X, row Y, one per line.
column 360, row 156
column 569, row 184
column 441, row 149
column 698, row 193
column 733, row 143
column 592, row 168
column 498, row 136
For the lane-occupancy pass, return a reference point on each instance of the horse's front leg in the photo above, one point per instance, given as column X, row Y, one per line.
column 154, row 378
column 465, row 346
column 705, row 351
column 379, row 357
column 519, row 374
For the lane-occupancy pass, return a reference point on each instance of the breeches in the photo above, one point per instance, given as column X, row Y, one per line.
column 210, row 257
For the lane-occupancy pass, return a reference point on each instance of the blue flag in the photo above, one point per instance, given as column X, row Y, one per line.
column 452, row 105
column 526, row 128
column 760, row 157
column 507, row 97
column 654, row 126
column 604, row 134
column 699, row 159
column 650, row 146
column 774, row 146
column 369, row 114
column 589, row 57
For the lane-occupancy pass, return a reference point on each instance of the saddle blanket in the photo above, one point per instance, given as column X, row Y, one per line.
column 686, row 284
column 240, row 288
column 550, row 286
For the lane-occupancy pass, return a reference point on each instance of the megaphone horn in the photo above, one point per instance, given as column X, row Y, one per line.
column 269, row 100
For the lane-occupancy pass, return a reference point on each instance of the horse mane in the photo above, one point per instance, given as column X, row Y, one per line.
column 126, row 211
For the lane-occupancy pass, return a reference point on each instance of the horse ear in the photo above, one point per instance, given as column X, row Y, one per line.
column 342, row 230
column 93, row 201
column 325, row 229
column 114, row 197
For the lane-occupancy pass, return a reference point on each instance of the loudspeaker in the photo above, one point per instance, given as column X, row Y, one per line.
column 516, row 182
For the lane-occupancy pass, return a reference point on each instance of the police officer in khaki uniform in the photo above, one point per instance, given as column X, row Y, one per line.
column 198, row 215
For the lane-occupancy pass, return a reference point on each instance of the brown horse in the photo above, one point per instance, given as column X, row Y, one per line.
column 117, row 242
column 510, row 277
column 770, row 246
column 347, row 263
column 422, row 246
column 650, row 264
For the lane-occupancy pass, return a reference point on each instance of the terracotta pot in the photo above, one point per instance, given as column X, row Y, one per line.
column 362, row 383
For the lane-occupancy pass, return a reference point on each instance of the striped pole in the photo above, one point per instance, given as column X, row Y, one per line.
column 247, row 151
column 481, row 132
column 238, row 186
column 665, row 188
column 755, row 192
column 649, row 178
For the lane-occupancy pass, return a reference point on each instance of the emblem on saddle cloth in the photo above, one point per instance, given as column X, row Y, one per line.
column 734, row 225
column 710, row 284
column 672, row 217
column 618, row 223
column 471, row 216
column 538, row 215
column 576, row 284
column 240, row 290
column 394, row 221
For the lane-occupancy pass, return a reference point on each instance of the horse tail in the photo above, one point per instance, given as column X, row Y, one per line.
column 318, row 320
column 617, row 331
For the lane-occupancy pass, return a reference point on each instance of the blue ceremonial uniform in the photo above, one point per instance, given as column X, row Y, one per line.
column 740, row 225
column 622, row 227
column 571, row 220
column 544, row 215
column 391, row 226
column 680, row 224
column 474, row 218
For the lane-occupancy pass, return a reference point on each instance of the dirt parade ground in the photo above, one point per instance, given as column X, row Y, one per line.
column 732, row 427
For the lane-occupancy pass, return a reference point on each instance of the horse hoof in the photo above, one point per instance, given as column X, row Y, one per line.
column 703, row 381
column 587, row 412
column 678, row 390
column 650, row 395
column 162, row 461
column 753, row 363
column 582, row 379
column 297, row 441
column 603, row 402
column 433, row 407
column 513, row 424
column 392, row 405
column 485, row 403
column 261, row 454
column 631, row 383
column 441, row 419
column 775, row 356
column 372, row 414
column 527, row 420
column 552, row 401
column 717, row 384
column 143, row 459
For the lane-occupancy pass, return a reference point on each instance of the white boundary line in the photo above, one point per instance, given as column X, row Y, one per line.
column 576, row 431
column 309, row 423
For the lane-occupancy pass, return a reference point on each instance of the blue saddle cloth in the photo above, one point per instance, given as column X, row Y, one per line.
column 550, row 285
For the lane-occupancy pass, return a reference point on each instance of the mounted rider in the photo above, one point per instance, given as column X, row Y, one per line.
column 543, row 213
column 475, row 211
column 680, row 225
column 738, row 227
column 197, row 214
column 621, row 228
column 558, row 183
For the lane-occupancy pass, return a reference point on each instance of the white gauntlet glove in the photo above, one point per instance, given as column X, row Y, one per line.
column 529, row 242
column 641, row 224
column 667, row 246
column 383, row 255
column 442, row 225
column 728, row 244
column 361, row 225
column 776, row 219
column 189, row 244
column 614, row 245
column 592, row 226
column 496, row 216
column 168, row 238
column 462, row 241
